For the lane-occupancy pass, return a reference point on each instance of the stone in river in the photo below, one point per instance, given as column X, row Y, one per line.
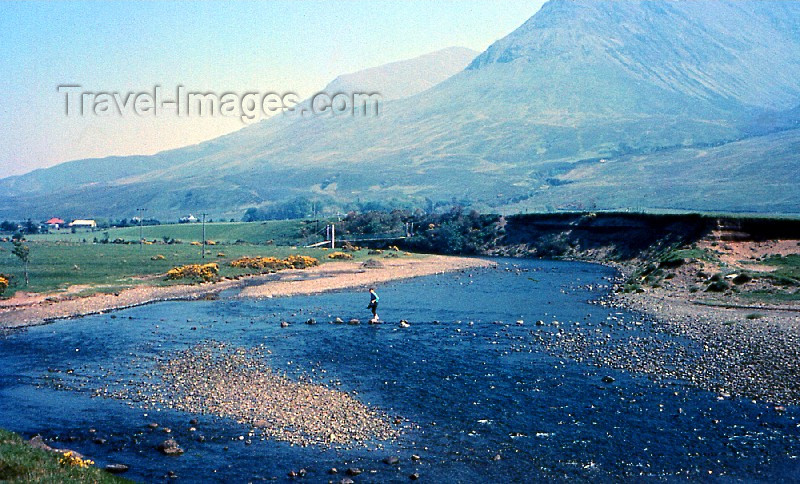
column 391, row 460
column 608, row 379
column 116, row 468
column 170, row 447
column 38, row 443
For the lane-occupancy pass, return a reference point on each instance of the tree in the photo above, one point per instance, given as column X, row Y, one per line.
column 31, row 227
column 7, row 226
column 23, row 252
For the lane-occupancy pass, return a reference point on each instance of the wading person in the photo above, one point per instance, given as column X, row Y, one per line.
column 373, row 304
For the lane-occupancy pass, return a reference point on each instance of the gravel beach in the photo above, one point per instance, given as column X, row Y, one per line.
column 213, row 378
column 747, row 352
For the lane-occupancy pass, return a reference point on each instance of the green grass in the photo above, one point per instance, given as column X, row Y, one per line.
column 109, row 267
column 281, row 232
column 19, row 462
column 788, row 266
column 761, row 296
column 690, row 254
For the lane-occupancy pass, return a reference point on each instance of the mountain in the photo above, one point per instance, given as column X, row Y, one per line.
column 393, row 81
column 405, row 78
column 642, row 85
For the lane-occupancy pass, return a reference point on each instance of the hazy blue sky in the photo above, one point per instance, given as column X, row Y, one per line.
column 222, row 46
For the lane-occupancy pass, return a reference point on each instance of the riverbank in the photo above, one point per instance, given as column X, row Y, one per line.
column 734, row 301
column 326, row 277
column 719, row 296
column 35, row 461
column 741, row 349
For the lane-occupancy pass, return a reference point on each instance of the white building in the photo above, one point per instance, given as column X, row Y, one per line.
column 83, row 224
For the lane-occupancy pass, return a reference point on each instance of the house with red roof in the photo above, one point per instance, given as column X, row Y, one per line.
column 55, row 223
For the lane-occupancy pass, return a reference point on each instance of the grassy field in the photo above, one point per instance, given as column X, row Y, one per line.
column 19, row 462
column 280, row 232
column 55, row 266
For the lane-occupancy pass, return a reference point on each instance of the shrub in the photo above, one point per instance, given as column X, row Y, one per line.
column 194, row 242
column 754, row 316
column 672, row 260
column 742, row 278
column 268, row 263
column 204, row 272
column 158, row 257
column 718, row 286
column 69, row 459
column 221, row 254
column 274, row 264
column 631, row 287
column 301, row 261
column 339, row 255
column 3, row 283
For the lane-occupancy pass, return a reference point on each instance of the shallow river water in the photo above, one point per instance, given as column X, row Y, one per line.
column 469, row 381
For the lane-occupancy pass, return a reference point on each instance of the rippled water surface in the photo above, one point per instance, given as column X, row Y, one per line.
column 473, row 381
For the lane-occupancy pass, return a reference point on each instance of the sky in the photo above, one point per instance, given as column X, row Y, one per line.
column 226, row 46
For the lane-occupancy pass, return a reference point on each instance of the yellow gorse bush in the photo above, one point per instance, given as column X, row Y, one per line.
column 301, row 261
column 3, row 283
column 269, row 263
column 72, row 460
column 339, row 255
column 275, row 264
column 206, row 272
column 158, row 257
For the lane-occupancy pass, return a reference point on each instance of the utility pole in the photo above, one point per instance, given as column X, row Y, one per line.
column 316, row 215
column 204, row 235
column 333, row 236
column 140, row 211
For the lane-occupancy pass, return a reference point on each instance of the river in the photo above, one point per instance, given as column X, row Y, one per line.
column 470, row 382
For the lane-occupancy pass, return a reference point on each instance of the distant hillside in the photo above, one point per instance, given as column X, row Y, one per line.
column 644, row 85
column 405, row 78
